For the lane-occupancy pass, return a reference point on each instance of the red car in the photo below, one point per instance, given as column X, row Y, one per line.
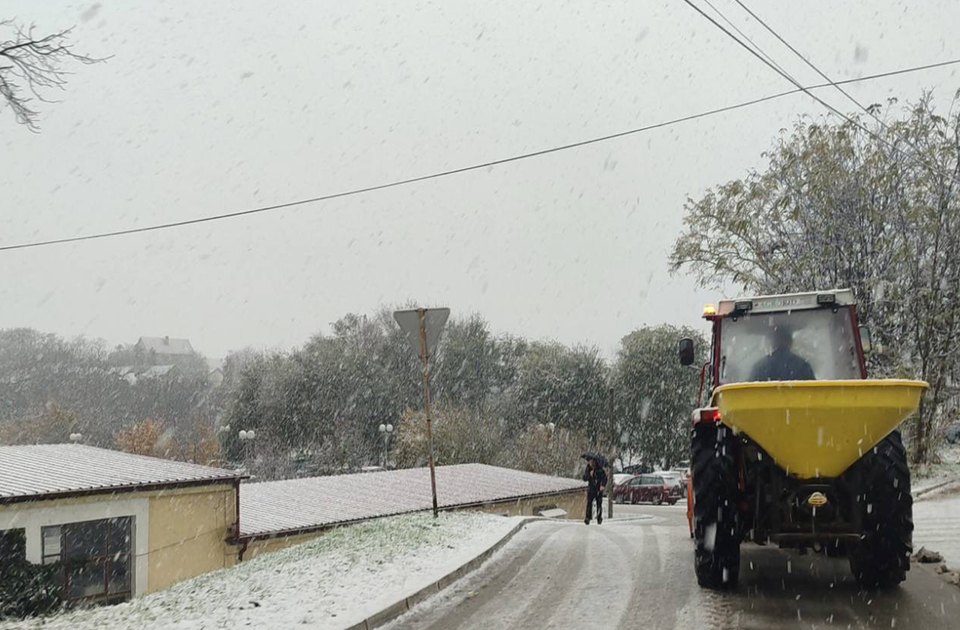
column 646, row 489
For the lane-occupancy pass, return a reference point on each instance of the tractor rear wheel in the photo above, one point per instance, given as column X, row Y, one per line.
column 882, row 558
column 716, row 520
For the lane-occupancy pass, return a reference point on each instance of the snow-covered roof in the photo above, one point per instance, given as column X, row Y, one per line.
column 276, row 507
column 52, row 470
column 166, row 345
column 155, row 371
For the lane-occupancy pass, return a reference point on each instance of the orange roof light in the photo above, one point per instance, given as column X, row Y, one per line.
column 709, row 309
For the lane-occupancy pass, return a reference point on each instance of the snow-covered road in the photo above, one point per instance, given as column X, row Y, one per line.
column 639, row 574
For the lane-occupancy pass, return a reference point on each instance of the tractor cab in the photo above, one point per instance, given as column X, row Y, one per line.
column 798, row 337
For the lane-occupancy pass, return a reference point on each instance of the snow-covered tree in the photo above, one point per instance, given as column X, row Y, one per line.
column 838, row 206
column 655, row 395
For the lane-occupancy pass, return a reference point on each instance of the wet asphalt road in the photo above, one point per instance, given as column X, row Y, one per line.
column 638, row 573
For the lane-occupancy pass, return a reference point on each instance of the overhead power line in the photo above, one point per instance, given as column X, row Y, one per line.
column 906, row 140
column 806, row 91
column 474, row 167
column 747, row 38
column 774, row 67
column 805, row 60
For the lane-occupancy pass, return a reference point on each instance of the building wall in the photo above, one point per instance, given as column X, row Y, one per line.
column 177, row 533
column 573, row 503
column 189, row 528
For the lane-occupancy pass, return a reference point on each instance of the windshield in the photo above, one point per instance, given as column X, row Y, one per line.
column 800, row 345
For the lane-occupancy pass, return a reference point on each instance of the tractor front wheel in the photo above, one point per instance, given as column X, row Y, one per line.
column 882, row 558
column 716, row 520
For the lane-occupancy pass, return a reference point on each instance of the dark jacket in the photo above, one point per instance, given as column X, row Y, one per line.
column 782, row 365
column 597, row 479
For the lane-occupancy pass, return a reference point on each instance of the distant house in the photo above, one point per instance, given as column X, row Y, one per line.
column 165, row 346
column 215, row 377
column 161, row 371
column 160, row 351
column 215, row 374
column 132, row 374
column 126, row 372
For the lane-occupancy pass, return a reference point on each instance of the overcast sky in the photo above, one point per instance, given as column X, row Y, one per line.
column 222, row 105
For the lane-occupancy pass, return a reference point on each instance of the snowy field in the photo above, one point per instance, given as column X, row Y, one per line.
column 332, row 582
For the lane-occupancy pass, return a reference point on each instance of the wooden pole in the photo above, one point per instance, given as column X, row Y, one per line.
column 426, row 407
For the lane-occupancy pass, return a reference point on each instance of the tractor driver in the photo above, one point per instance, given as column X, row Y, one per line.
column 781, row 364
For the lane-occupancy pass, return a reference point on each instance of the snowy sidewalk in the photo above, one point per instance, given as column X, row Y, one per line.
column 333, row 582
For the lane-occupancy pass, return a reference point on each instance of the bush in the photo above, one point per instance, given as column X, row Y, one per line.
column 459, row 437
column 28, row 590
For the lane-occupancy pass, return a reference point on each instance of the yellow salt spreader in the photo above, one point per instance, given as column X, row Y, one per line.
column 797, row 447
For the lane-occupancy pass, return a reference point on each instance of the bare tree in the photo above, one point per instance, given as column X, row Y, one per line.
column 30, row 66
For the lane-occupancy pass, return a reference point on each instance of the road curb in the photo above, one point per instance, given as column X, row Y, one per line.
column 393, row 611
column 943, row 484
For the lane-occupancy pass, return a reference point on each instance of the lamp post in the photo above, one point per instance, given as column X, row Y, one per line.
column 610, row 419
column 386, row 430
column 246, row 439
column 551, row 455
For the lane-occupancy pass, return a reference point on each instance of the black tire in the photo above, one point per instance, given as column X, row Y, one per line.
column 716, row 519
column 882, row 558
column 659, row 500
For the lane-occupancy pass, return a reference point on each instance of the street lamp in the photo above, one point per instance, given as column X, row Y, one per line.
column 247, row 437
column 386, row 430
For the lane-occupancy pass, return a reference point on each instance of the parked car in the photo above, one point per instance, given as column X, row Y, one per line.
column 953, row 434
column 674, row 478
column 646, row 489
column 637, row 469
column 619, row 478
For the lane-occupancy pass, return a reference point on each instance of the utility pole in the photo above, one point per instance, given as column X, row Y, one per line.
column 422, row 328
column 426, row 406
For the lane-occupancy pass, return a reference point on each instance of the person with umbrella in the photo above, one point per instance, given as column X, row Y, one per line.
column 596, row 479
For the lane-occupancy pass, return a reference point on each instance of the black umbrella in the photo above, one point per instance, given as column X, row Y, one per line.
column 600, row 459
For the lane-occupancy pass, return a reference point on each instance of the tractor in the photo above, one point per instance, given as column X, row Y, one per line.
column 796, row 446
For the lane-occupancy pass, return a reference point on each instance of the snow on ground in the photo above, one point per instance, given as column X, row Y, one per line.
column 335, row 581
column 948, row 469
